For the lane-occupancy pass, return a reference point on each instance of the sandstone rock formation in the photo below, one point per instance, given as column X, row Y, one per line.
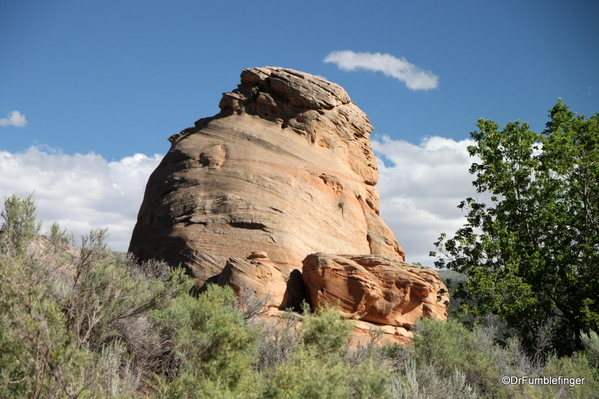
column 375, row 288
column 286, row 167
column 259, row 274
column 285, row 176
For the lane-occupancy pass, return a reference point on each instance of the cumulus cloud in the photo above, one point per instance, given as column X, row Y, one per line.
column 398, row 68
column 420, row 187
column 15, row 118
column 82, row 191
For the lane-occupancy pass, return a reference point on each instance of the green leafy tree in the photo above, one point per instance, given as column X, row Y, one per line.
column 532, row 255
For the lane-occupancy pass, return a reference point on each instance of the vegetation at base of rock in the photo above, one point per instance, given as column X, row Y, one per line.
column 90, row 324
column 531, row 256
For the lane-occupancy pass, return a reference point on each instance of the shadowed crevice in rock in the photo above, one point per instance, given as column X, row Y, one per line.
column 248, row 225
column 295, row 292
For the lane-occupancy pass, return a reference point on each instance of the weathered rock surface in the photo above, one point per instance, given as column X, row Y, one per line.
column 285, row 174
column 365, row 332
column 258, row 274
column 286, row 167
column 375, row 288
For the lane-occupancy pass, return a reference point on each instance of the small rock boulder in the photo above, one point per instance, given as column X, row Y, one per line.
column 375, row 288
column 258, row 274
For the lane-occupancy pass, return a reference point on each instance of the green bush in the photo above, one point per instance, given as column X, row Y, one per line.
column 591, row 344
column 216, row 347
column 69, row 317
column 20, row 224
column 320, row 366
column 39, row 357
column 326, row 332
column 575, row 366
column 88, row 324
column 450, row 346
column 308, row 375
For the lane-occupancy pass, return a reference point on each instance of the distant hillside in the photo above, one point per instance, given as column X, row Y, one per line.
column 452, row 279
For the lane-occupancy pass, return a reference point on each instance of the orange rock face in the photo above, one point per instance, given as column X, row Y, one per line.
column 375, row 288
column 285, row 174
column 257, row 273
column 286, row 167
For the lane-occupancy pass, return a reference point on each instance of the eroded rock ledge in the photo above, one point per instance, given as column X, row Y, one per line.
column 375, row 288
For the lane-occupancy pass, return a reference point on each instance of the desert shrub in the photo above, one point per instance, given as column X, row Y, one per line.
column 70, row 318
column 449, row 361
column 411, row 381
column 417, row 378
column 320, row 365
column 216, row 347
column 39, row 357
column 250, row 304
column 106, row 293
column 370, row 379
column 84, row 342
column 325, row 331
column 59, row 237
column 576, row 366
column 278, row 341
column 371, row 351
column 591, row 344
column 117, row 374
column 308, row 375
column 449, row 347
column 20, row 225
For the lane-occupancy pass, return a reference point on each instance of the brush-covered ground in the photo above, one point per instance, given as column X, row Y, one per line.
column 89, row 323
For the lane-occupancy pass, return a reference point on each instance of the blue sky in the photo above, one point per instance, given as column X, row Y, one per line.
column 112, row 79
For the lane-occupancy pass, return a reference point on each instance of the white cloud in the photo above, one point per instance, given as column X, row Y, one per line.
column 15, row 118
column 81, row 191
column 420, row 187
column 398, row 68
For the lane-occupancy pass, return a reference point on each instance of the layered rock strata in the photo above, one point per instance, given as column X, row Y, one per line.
column 264, row 279
column 286, row 167
column 375, row 288
column 262, row 195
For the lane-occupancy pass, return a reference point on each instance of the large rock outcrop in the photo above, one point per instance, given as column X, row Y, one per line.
column 286, row 168
column 263, row 195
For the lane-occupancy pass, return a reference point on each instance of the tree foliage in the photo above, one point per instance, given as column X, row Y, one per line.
column 532, row 255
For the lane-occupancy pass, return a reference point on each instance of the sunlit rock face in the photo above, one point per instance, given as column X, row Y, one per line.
column 286, row 168
column 265, row 194
column 375, row 288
